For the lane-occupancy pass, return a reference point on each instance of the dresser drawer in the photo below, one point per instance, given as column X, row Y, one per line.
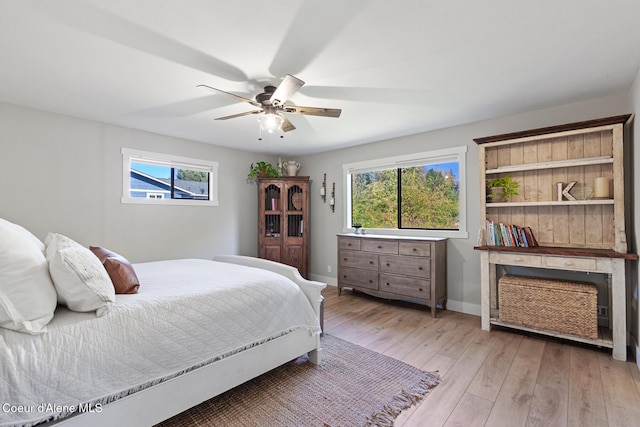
column 349, row 243
column 520, row 259
column 358, row 260
column 357, row 277
column 411, row 266
column 415, row 248
column 407, row 286
column 571, row 263
column 380, row 246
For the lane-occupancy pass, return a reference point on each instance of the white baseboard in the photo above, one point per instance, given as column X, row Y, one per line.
column 636, row 348
column 464, row 307
column 331, row 281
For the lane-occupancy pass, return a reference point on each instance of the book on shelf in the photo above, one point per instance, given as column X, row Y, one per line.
column 530, row 237
column 509, row 235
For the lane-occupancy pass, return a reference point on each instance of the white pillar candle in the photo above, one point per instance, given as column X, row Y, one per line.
column 601, row 189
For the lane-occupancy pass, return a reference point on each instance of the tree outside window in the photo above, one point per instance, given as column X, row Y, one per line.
column 420, row 197
column 421, row 194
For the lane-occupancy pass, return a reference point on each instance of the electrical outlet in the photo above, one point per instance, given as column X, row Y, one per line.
column 328, row 269
column 603, row 311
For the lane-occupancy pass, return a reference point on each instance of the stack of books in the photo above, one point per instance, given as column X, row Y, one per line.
column 509, row 235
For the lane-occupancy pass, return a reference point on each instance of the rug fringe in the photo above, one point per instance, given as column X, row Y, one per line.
column 415, row 394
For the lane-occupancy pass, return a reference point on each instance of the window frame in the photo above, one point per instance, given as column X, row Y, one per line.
column 417, row 159
column 130, row 155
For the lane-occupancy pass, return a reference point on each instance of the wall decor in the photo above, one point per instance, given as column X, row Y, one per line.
column 323, row 189
column 332, row 200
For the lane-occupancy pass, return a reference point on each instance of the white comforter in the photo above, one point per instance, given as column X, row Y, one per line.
column 187, row 313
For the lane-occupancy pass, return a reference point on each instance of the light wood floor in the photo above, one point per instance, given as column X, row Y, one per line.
column 497, row 378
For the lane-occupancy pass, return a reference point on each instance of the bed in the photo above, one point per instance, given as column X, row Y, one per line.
column 195, row 329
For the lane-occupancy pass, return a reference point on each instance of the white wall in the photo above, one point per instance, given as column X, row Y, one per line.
column 463, row 262
column 64, row 174
column 634, row 101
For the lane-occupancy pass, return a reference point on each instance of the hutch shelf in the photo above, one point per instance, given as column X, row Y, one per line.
column 283, row 212
column 585, row 235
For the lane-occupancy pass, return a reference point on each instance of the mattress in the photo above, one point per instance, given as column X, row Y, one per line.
column 187, row 313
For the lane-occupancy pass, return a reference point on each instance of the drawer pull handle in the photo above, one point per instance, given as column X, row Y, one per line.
column 345, row 259
column 419, row 268
column 370, row 281
column 348, row 244
column 379, row 247
column 387, row 264
column 387, row 283
column 344, row 277
column 420, row 289
column 415, row 249
column 371, row 262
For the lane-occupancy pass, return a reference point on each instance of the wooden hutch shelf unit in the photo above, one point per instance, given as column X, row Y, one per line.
column 283, row 212
column 585, row 235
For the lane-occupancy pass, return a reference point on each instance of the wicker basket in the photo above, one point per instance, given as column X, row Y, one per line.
column 557, row 305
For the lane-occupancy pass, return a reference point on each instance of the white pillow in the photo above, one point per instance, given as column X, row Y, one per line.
column 27, row 295
column 78, row 275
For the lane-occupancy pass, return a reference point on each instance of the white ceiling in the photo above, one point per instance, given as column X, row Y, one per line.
column 394, row 68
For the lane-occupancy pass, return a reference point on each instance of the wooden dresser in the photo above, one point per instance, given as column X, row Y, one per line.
column 400, row 268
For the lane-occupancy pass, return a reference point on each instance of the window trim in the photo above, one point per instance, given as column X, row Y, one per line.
column 436, row 156
column 129, row 155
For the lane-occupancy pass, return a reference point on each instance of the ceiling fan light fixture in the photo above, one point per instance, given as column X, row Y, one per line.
column 270, row 122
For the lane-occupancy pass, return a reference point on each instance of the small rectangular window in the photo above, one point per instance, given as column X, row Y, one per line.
column 165, row 179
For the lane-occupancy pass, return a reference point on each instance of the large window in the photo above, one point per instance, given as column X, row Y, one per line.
column 421, row 194
column 155, row 178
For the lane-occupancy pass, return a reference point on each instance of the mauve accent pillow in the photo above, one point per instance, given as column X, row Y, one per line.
column 121, row 272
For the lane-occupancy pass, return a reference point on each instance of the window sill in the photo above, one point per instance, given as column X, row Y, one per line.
column 449, row 234
column 173, row 202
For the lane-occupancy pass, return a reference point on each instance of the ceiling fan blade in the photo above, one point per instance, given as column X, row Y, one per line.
column 313, row 111
column 309, row 33
column 233, row 116
column 238, row 97
column 288, row 87
column 286, row 124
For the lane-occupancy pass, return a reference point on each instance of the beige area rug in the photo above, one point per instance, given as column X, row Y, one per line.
column 353, row 386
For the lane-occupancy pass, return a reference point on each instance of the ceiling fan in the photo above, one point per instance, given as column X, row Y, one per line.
column 272, row 103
